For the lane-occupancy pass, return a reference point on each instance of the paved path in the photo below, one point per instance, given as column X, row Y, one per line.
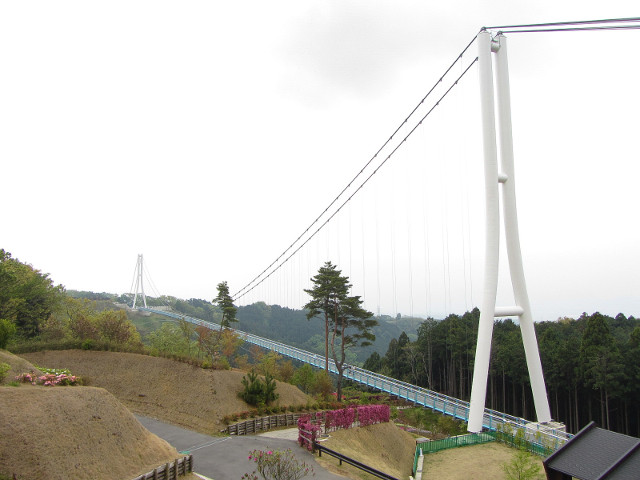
column 225, row 458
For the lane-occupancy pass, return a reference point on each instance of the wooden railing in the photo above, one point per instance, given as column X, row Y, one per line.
column 170, row 471
column 263, row 423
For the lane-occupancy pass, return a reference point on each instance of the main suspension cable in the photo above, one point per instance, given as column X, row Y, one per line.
column 402, row 124
column 247, row 290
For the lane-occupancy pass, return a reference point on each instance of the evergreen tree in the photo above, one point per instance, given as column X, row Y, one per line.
column 225, row 303
column 352, row 327
column 329, row 290
column 601, row 362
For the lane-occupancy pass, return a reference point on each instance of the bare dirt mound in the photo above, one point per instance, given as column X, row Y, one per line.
column 384, row 447
column 18, row 365
column 175, row 392
column 74, row 432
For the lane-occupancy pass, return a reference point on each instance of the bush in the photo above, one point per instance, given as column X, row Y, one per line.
column 277, row 465
column 4, row 368
column 7, row 330
column 257, row 392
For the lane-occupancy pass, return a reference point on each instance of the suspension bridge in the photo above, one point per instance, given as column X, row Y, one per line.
column 290, row 271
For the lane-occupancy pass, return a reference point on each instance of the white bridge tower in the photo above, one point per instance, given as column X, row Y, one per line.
column 494, row 178
column 139, row 289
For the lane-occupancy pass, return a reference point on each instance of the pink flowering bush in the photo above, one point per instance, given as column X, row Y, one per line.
column 49, row 379
column 308, row 430
column 370, row 414
column 277, row 465
column 343, row 418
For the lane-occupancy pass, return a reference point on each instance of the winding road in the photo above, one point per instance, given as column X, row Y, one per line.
column 225, row 458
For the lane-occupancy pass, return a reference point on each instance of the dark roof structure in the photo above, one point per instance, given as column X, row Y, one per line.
column 593, row 454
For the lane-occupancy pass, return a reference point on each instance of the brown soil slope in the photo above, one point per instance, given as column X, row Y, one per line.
column 172, row 391
column 74, row 432
column 18, row 365
column 384, row 447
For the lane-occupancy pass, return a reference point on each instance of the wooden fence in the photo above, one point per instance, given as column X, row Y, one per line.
column 170, row 471
column 256, row 425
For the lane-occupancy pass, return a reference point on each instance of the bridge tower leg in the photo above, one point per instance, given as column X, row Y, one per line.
column 139, row 285
column 493, row 180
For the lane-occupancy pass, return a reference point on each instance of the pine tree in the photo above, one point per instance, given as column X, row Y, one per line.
column 329, row 290
column 225, row 303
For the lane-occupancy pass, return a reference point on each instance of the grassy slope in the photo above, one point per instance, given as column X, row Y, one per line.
column 178, row 393
column 384, row 447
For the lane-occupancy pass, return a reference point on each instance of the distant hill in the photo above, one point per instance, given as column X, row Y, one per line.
column 292, row 327
column 283, row 324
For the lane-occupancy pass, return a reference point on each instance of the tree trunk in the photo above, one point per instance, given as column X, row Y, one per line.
column 606, row 408
column 575, row 396
column 504, row 392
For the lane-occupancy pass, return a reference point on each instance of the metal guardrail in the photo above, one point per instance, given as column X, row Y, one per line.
column 454, row 407
column 343, row 458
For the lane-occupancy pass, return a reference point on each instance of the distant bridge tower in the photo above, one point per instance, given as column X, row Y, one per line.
column 139, row 289
column 493, row 180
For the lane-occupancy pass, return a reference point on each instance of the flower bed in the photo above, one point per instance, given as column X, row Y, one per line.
column 310, row 425
column 51, row 378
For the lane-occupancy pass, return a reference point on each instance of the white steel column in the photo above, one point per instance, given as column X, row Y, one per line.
column 493, row 178
column 492, row 235
column 512, row 235
column 139, row 285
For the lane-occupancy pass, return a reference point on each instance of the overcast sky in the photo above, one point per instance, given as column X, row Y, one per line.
column 208, row 135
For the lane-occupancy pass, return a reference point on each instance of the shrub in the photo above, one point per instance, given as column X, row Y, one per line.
column 306, row 427
column 7, row 330
column 222, row 363
column 522, row 467
column 258, row 392
column 4, row 368
column 49, row 379
column 277, row 465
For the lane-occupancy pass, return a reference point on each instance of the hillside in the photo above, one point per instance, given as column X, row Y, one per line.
column 181, row 394
column 96, row 437
column 384, row 447
column 17, row 366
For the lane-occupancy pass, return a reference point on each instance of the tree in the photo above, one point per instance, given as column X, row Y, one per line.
column 168, row 339
column 7, row 329
column 257, row 391
column 349, row 323
column 225, row 303
column 352, row 327
column 27, row 297
column 601, row 362
column 330, row 288
column 187, row 330
column 522, row 467
column 304, row 377
column 373, row 363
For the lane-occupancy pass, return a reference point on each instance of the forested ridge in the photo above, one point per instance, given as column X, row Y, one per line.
column 591, row 366
column 291, row 326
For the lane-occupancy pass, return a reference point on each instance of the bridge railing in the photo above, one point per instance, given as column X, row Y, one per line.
column 454, row 407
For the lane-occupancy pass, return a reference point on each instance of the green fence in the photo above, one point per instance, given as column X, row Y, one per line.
column 519, row 440
column 451, row 442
